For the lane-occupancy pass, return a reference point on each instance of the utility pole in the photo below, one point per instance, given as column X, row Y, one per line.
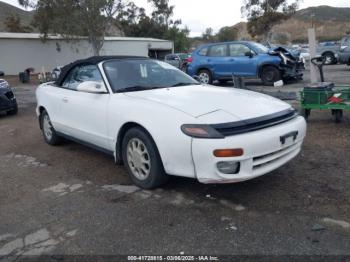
column 312, row 46
column 313, row 49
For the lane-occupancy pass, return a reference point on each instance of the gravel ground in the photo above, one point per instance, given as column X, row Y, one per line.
column 72, row 200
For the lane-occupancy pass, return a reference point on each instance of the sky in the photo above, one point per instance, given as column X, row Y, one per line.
column 201, row 14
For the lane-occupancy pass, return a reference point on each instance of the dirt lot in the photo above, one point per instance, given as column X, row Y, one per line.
column 71, row 200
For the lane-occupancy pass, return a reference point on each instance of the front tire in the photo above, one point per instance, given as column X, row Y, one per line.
column 330, row 58
column 142, row 160
column 13, row 111
column 270, row 75
column 48, row 130
column 205, row 77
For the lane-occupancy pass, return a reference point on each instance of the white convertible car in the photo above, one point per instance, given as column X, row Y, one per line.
column 158, row 121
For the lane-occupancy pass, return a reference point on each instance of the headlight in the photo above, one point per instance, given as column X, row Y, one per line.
column 200, row 131
column 4, row 84
column 285, row 58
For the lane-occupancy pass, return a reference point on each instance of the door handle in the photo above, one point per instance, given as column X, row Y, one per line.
column 65, row 99
column 231, row 60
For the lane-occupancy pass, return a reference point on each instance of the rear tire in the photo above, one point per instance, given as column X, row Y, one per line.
column 270, row 75
column 48, row 130
column 142, row 160
column 205, row 76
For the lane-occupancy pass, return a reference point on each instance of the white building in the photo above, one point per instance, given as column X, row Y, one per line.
column 19, row 51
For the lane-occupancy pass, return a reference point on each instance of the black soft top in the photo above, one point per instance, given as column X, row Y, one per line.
column 94, row 60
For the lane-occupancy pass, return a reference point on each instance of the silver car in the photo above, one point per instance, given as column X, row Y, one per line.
column 179, row 60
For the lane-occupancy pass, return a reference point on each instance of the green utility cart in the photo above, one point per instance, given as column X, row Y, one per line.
column 335, row 100
column 325, row 96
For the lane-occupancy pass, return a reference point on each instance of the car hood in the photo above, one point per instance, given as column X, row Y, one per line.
column 293, row 54
column 201, row 100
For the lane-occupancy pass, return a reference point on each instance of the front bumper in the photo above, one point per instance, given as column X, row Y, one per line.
column 7, row 100
column 293, row 71
column 344, row 58
column 263, row 152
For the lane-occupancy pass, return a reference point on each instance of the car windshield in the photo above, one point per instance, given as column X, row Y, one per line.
column 143, row 74
column 259, row 48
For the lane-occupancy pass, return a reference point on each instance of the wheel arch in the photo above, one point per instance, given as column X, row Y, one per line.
column 261, row 67
column 40, row 111
column 204, row 68
column 121, row 134
column 328, row 52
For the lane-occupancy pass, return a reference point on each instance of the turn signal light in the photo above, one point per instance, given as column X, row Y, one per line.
column 228, row 152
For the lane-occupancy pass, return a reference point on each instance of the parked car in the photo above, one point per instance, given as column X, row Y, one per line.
column 158, row 121
column 333, row 50
column 344, row 52
column 344, row 55
column 305, row 55
column 330, row 52
column 179, row 60
column 8, row 102
column 220, row 61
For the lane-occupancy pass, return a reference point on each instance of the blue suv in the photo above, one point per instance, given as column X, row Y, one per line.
column 220, row 61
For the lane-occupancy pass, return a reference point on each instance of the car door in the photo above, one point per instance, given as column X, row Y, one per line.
column 219, row 61
column 84, row 115
column 242, row 64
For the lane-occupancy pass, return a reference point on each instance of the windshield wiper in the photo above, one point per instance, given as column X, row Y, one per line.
column 184, row 84
column 136, row 88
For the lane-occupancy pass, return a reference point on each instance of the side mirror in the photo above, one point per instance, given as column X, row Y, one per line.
column 92, row 87
column 2, row 73
column 250, row 54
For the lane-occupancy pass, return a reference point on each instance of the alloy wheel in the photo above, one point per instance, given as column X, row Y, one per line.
column 47, row 127
column 138, row 159
column 204, row 78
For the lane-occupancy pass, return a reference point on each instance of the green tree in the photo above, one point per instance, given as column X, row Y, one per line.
column 262, row 15
column 179, row 37
column 227, row 34
column 163, row 12
column 73, row 19
column 134, row 22
column 13, row 24
column 208, row 35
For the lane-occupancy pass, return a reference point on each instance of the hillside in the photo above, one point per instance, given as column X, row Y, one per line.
column 7, row 10
column 332, row 23
column 324, row 13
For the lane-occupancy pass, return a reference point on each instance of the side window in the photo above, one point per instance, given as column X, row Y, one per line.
column 203, row 51
column 218, row 50
column 238, row 49
column 81, row 74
